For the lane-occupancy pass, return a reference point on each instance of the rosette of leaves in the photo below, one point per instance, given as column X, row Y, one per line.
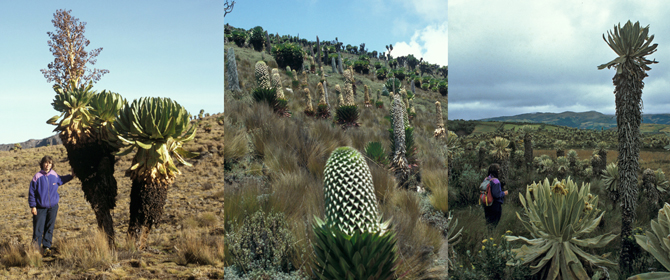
column 376, row 152
column 399, row 74
column 559, row 215
column 610, row 178
column 390, row 83
column 381, row 73
column 288, row 54
column 73, row 103
column 442, row 87
column 351, row 243
column 656, row 242
column 378, row 65
column 157, row 128
column 425, row 79
column 361, row 66
column 425, row 86
column 417, row 81
column 239, row 37
column 257, row 40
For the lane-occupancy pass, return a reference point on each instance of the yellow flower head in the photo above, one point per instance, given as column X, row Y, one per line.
column 491, row 238
column 484, row 241
column 495, row 244
column 483, row 247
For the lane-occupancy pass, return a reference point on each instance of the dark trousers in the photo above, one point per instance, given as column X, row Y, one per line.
column 43, row 226
column 493, row 213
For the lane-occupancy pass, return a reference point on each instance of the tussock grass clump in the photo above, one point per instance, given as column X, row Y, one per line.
column 436, row 182
column 193, row 248
column 90, row 250
column 19, row 255
column 236, row 143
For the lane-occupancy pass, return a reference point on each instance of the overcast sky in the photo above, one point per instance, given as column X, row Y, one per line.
column 514, row 57
column 151, row 48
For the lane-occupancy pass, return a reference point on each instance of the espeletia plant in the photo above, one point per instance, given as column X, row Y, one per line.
column 559, row 215
column 347, row 114
column 656, row 243
column 352, row 243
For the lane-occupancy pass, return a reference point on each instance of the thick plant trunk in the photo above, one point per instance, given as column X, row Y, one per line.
column 93, row 164
column 629, row 111
column 146, row 209
column 528, row 150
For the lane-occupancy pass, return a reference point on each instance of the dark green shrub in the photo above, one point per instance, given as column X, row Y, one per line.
column 399, row 73
column 239, row 37
column 288, row 54
column 385, row 92
column 379, row 104
column 425, row 86
column 381, row 73
column 417, row 81
column 361, row 66
column 378, row 65
column 393, row 63
column 442, row 88
column 257, row 39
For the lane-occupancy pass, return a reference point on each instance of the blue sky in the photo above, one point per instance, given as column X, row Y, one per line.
column 412, row 26
column 418, row 27
column 151, row 48
column 523, row 56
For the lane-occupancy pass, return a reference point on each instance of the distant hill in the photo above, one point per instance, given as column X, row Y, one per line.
column 584, row 120
column 34, row 143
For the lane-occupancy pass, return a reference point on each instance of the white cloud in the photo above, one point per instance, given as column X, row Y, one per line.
column 431, row 10
column 431, row 43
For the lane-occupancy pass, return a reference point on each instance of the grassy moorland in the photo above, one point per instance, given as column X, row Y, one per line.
column 188, row 242
column 274, row 173
column 561, row 153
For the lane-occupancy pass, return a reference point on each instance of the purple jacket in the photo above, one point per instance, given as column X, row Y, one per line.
column 43, row 191
column 496, row 190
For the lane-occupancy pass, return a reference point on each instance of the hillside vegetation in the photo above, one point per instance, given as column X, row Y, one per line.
column 274, row 172
column 187, row 243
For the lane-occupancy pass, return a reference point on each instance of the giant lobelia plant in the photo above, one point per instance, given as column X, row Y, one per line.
column 86, row 116
column 352, row 243
column 559, row 215
column 157, row 127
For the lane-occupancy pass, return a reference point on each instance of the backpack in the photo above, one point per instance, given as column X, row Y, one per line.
column 485, row 196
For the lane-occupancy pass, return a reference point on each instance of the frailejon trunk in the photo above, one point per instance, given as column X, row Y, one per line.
column 146, row 209
column 528, row 150
column 628, row 94
column 93, row 164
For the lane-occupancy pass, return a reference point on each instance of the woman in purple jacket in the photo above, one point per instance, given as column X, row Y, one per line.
column 43, row 200
column 494, row 211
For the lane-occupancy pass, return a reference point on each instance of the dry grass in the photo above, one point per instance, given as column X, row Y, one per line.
column 199, row 189
column 91, row 250
column 194, row 248
column 19, row 255
column 436, row 182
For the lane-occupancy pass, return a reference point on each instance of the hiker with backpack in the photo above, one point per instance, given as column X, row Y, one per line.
column 492, row 196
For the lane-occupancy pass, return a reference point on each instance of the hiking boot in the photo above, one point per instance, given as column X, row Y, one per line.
column 47, row 252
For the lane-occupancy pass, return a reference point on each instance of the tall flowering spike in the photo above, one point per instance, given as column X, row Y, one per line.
column 309, row 108
column 262, row 75
column 399, row 159
column 276, row 83
column 295, row 75
column 438, row 109
column 367, row 95
column 348, row 95
column 232, row 83
column 322, row 95
column 348, row 77
column 351, row 204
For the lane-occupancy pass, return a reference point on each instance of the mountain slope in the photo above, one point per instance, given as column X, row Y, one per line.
column 584, row 120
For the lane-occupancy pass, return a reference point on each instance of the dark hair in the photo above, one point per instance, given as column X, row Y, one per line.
column 47, row 159
column 494, row 170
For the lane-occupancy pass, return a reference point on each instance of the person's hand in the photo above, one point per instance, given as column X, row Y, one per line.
column 33, row 210
column 505, row 192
